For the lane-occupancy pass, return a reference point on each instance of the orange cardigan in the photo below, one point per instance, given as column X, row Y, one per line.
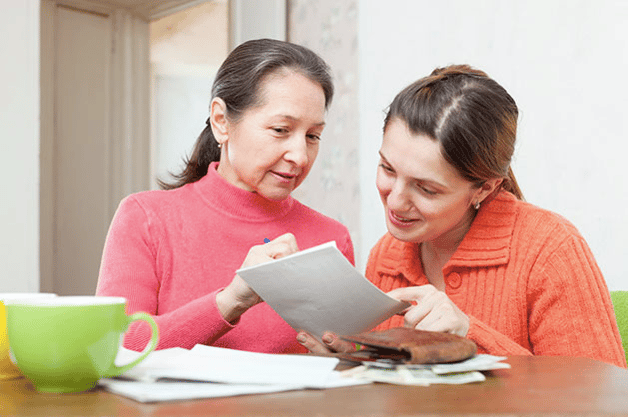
column 525, row 277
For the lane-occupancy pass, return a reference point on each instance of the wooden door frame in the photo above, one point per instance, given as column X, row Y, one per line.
column 128, row 154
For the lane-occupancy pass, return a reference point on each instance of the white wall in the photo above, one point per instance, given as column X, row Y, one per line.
column 186, row 50
column 564, row 62
column 181, row 106
column 19, row 136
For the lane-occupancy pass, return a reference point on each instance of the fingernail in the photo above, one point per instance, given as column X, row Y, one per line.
column 327, row 338
column 301, row 338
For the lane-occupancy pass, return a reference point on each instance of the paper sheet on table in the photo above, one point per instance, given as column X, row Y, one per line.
column 171, row 391
column 214, row 364
column 174, row 374
column 318, row 290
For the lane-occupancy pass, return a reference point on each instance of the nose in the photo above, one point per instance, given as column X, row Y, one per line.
column 297, row 150
column 397, row 199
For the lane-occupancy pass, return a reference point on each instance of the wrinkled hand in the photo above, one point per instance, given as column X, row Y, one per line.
column 434, row 311
column 331, row 343
column 238, row 297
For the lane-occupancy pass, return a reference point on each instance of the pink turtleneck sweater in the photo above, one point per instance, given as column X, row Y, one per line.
column 169, row 252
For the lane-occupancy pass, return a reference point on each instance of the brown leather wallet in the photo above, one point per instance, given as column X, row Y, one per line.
column 402, row 344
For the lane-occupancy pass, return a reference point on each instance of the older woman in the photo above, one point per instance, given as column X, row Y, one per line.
column 462, row 244
column 174, row 252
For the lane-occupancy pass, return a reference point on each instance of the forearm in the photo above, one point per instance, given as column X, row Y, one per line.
column 131, row 269
column 197, row 322
column 493, row 342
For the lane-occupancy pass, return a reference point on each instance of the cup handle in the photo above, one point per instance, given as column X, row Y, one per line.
column 152, row 344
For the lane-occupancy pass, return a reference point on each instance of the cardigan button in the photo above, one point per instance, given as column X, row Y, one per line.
column 454, row 280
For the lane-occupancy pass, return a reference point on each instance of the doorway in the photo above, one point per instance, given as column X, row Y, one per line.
column 99, row 67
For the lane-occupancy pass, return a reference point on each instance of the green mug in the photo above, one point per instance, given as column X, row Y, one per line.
column 67, row 343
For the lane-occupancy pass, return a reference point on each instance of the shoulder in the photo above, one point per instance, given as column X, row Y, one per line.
column 305, row 213
column 537, row 223
column 506, row 216
column 545, row 240
column 312, row 228
column 152, row 201
column 154, row 210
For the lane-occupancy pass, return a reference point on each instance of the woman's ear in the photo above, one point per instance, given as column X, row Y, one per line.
column 218, row 120
column 487, row 188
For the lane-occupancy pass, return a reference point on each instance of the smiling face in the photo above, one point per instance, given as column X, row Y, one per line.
column 271, row 148
column 425, row 198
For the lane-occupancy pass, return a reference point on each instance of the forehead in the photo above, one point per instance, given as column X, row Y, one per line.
column 417, row 156
column 291, row 86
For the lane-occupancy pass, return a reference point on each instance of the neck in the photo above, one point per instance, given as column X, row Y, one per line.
column 437, row 252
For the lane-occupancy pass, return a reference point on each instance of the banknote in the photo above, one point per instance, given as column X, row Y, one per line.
column 411, row 374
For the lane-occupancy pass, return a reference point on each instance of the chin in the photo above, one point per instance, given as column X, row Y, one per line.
column 275, row 196
column 404, row 236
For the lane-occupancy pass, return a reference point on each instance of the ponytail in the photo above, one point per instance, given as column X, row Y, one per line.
column 510, row 184
column 205, row 152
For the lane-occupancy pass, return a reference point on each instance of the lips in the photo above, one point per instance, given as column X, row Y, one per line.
column 284, row 178
column 284, row 175
column 400, row 221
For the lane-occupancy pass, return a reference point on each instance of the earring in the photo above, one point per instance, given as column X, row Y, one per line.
column 219, row 145
column 477, row 205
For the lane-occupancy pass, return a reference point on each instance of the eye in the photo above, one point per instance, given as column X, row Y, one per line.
column 427, row 190
column 280, row 130
column 313, row 138
column 386, row 168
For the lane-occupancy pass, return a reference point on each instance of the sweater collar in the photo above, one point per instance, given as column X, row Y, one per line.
column 487, row 243
column 236, row 202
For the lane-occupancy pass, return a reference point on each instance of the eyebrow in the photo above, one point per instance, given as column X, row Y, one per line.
column 294, row 119
column 423, row 180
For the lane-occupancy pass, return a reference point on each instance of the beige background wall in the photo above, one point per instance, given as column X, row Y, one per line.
column 330, row 28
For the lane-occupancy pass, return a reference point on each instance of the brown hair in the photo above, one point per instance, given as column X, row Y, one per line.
column 238, row 83
column 472, row 117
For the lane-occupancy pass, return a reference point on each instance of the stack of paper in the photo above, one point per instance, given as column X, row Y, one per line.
column 445, row 373
column 205, row 372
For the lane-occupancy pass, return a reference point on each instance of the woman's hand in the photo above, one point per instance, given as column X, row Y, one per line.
column 331, row 343
column 434, row 311
column 238, row 297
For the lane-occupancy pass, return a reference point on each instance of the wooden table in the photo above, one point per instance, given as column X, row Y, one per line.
column 534, row 386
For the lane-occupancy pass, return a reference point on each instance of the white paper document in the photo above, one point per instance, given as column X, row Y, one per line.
column 171, row 391
column 318, row 290
column 214, row 364
column 210, row 372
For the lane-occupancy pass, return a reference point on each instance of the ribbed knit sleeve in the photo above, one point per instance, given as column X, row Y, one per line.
column 570, row 310
column 129, row 269
column 493, row 342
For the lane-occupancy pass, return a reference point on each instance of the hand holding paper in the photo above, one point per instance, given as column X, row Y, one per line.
column 238, row 297
column 318, row 290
